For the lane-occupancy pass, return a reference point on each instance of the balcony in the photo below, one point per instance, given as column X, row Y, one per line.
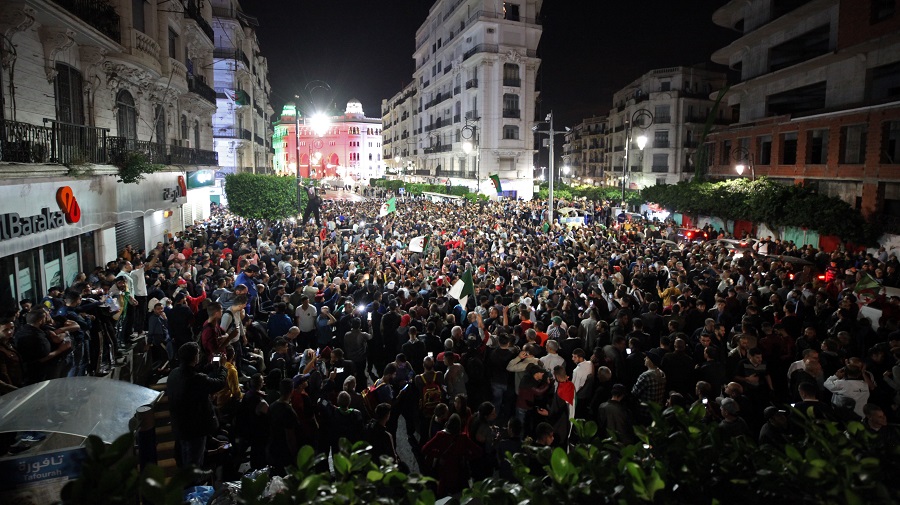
column 660, row 169
column 662, row 119
column 231, row 54
column 457, row 90
column 71, row 144
column 97, row 13
column 198, row 86
column 662, row 144
column 456, row 118
column 232, row 133
column 471, row 83
column 442, row 148
column 472, row 114
column 512, row 82
column 192, row 11
column 512, row 113
column 480, row 48
column 259, row 140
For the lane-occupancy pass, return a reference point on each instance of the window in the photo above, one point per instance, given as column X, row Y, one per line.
column 789, row 148
column 665, row 85
column 890, row 142
column 853, row 144
column 800, row 48
column 765, row 150
column 725, row 154
column 661, row 138
column 159, row 123
column 511, row 74
column 184, row 128
column 881, row 10
column 69, row 97
column 511, row 132
column 660, row 163
column 792, row 101
column 510, row 11
column 510, row 105
column 137, row 15
column 126, row 119
column 173, row 43
column 197, row 135
column 661, row 114
column 817, row 147
column 883, row 83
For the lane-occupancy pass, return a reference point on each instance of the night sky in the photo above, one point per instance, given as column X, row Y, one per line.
column 590, row 48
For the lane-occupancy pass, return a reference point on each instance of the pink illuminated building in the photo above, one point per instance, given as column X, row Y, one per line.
column 347, row 147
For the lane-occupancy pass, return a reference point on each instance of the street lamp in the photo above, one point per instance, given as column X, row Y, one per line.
column 469, row 133
column 640, row 114
column 552, row 135
column 745, row 160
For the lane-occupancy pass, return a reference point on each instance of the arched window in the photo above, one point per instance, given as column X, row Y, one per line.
column 126, row 116
column 184, row 128
column 159, row 124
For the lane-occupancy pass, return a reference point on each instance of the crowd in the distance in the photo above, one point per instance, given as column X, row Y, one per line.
column 276, row 335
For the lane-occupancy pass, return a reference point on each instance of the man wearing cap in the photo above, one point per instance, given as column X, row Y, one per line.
column 650, row 385
column 774, row 432
column 732, row 425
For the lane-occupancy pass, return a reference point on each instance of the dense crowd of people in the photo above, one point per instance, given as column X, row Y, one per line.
column 277, row 335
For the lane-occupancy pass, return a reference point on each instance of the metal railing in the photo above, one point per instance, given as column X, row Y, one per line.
column 661, row 143
column 512, row 82
column 659, row 169
column 472, row 114
column 192, row 11
column 481, row 48
column 231, row 54
column 512, row 113
column 24, row 143
column 76, row 144
column 97, row 13
column 197, row 85
column 230, row 132
column 471, row 83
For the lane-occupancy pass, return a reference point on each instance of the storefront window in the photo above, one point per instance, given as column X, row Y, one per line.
column 8, row 267
column 88, row 257
column 27, row 277
column 71, row 265
column 53, row 274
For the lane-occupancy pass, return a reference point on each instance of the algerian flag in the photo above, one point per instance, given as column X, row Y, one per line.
column 463, row 288
column 495, row 178
column 418, row 244
column 867, row 288
column 388, row 207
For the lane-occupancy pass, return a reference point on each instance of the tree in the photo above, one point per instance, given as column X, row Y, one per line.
column 268, row 197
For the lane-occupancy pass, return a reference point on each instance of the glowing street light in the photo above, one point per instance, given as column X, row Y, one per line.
column 319, row 123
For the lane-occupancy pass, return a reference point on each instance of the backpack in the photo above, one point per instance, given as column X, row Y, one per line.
column 370, row 397
column 431, row 396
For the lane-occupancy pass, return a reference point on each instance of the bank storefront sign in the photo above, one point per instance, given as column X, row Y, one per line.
column 12, row 225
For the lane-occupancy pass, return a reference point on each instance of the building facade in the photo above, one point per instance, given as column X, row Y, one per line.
column 86, row 88
column 242, row 122
column 473, row 105
column 670, row 107
column 348, row 146
column 818, row 99
column 400, row 149
column 584, row 151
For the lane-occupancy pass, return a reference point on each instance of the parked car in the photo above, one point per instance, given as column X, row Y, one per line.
column 691, row 235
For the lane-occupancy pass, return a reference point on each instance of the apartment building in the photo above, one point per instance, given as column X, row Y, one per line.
column 242, row 122
column 670, row 107
column 818, row 99
column 584, row 151
column 473, row 108
column 83, row 87
column 400, row 148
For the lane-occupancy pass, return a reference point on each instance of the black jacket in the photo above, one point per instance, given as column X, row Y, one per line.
column 192, row 410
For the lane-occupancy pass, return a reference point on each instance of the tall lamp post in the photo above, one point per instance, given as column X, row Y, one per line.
column 744, row 159
column 646, row 119
column 469, row 133
column 551, row 134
